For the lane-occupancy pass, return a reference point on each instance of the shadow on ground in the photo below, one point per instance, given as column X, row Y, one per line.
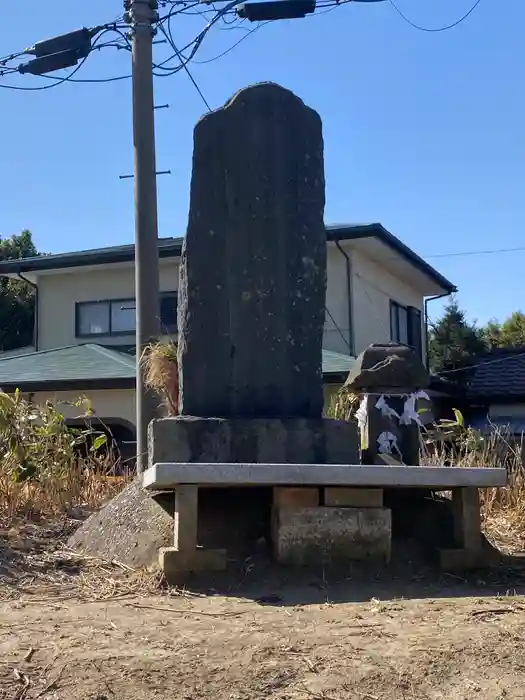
column 421, row 527
column 258, row 578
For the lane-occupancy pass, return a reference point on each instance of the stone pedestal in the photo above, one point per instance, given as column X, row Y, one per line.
column 277, row 441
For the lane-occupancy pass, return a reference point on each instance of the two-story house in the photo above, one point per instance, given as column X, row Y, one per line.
column 85, row 316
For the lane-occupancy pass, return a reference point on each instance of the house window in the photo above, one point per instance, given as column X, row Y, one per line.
column 93, row 319
column 168, row 312
column 122, row 316
column 117, row 316
column 398, row 323
column 405, row 326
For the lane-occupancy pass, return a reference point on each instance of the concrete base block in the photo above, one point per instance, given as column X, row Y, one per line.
column 298, row 497
column 355, row 498
column 260, row 441
column 329, row 535
column 176, row 563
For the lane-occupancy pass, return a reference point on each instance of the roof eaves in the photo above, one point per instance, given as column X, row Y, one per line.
column 349, row 232
column 101, row 256
column 81, row 385
column 171, row 247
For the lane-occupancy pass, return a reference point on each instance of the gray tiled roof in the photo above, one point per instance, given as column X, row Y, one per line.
column 501, row 373
column 72, row 363
column 336, row 363
column 92, row 362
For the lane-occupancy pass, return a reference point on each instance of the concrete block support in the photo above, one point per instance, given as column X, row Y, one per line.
column 298, row 497
column 329, row 535
column 185, row 556
column 185, row 518
column 176, row 564
column 357, row 498
column 470, row 553
column 467, row 518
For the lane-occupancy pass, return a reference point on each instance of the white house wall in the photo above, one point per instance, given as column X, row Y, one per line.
column 105, row 403
column 336, row 336
column 373, row 287
column 111, row 404
column 58, row 293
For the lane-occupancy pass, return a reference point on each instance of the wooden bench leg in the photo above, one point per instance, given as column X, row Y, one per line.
column 467, row 531
column 185, row 556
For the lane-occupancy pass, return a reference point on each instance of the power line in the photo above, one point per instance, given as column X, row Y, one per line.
column 468, row 253
column 483, row 364
column 176, row 7
column 197, row 41
column 169, row 37
column 465, row 253
column 233, row 46
column 57, row 81
column 69, row 77
column 434, row 29
column 336, row 328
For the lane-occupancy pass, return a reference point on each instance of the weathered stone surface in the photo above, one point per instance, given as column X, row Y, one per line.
column 329, row 535
column 131, row 528
column 388, row 366
column 407, row 437
column 253, row 268
column 188, row 439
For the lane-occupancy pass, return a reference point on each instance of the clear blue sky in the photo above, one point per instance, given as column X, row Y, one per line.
column 423, row 132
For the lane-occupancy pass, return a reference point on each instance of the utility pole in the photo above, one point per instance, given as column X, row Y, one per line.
column 141, row 15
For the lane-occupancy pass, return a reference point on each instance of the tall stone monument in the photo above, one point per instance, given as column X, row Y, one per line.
column 252, row 292
column 251, row 318
column 253, row 269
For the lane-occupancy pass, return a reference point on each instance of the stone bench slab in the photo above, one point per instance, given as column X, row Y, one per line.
column 169, row 475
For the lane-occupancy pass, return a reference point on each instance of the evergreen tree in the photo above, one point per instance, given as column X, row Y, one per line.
column 17, row 298
column 454, row 343
column 509, row 334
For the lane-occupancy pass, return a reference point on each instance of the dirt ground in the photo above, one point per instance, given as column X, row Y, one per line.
column 75, row 629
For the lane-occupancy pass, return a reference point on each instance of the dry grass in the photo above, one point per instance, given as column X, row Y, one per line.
column 343, row 405
column 36, row 563
column 57, row 495
column 46, row 488
column 159, row 361
column 503, row 509
column 46, row 468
